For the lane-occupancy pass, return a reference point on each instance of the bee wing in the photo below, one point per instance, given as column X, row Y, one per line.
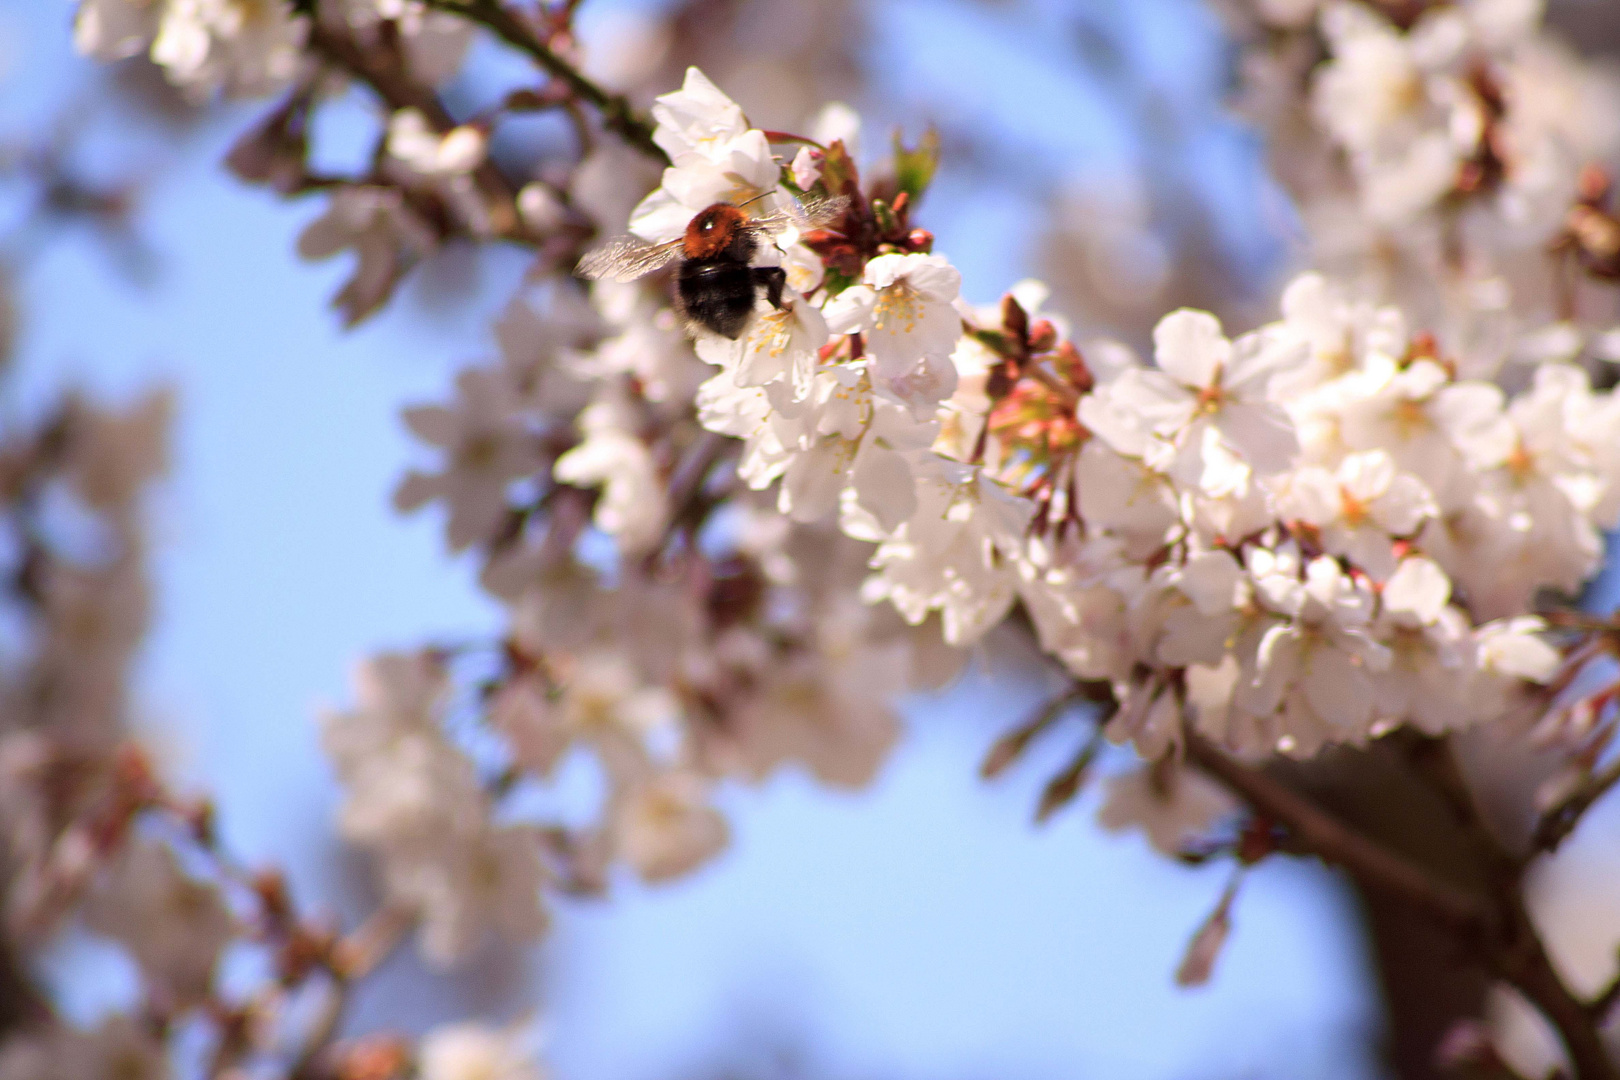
column 820, row 210
column 810, row 212
column 626, row 258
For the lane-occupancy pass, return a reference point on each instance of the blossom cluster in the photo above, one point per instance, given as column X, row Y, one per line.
column 249, row 48
column 1468, row 98
column 1307, row 535
column 707, row 649
column 1437, row 152
column 246, row 47
column 98, row 846
column 719, row 557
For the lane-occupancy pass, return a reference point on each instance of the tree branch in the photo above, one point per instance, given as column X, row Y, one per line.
column 1523, row 961
column 391, row 83
column 618, row 115
column 1600, row 1006
column 1519, row 955
column 1556, row 825
column 1498, row 929
column 1334, row 842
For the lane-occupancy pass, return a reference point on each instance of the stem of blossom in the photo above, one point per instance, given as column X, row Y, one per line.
column 1012, row 745
column 370, row 943
column 1556, row 825
column 1583, row 621
column 1334, row 842
column 1601, row 1005
column 355, row 956
column 1068, row 394
column 687, row 480
column 398, row 91
column 307, row 1065
column 617, row 114
column 686, row 484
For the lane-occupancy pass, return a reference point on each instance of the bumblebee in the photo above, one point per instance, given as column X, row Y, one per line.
column 716, row 284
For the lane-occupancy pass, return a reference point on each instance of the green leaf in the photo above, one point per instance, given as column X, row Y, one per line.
column 994, row 340
column 887, row 223
column 914, row 167
column 838, row 170
column 834, row 282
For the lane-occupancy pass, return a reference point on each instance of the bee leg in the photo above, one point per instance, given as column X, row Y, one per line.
column 773, row 278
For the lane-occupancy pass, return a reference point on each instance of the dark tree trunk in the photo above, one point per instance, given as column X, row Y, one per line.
column 1427, row 985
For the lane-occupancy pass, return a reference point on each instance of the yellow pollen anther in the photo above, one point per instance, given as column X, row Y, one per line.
column 1410, row 415
column 1520, row 463
column 1352, row 509
column 896, row 304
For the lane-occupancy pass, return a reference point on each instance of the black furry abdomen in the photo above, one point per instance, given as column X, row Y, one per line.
column 717, row 294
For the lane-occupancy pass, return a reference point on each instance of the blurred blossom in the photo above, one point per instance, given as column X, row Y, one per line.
column 1253, row 550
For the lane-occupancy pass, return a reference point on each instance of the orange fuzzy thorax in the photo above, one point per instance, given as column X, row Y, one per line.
column 712, row 231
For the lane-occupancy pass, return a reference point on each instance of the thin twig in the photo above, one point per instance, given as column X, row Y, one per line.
column 1600, row 1006
column 398, row 91
column 618, row 115
column 687, row 481
column 1335, row 842
column 307, row 1064
column 372, row 942
column 1012, row 745
column 1556, row 825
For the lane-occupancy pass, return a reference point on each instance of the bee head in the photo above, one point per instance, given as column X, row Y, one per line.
column 712, row 231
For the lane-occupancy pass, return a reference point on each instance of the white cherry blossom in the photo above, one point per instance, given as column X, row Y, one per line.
column 115, row 29
column 634, row 505
column 1172, row 805
column 489, row 445
column 1360, row 508
column 427, row 152
column 474, row 1051
column 413, row 799
column 1512, row 648
column 434, row 42
column 174, row 925
column 777, row 344
column 954, row 554
column 247, row 47
column 665, row 826
column 716, row 157
column 385, row 232
column 1432, row 427
column 904, row 309
column 1316, row 667
column 1208, row 399
column 1386, row 97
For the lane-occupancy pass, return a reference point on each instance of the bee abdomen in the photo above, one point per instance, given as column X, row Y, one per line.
column 717, row 294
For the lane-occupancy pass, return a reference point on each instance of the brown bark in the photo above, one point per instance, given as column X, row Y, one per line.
column 1443, row 893
column 1428, row 984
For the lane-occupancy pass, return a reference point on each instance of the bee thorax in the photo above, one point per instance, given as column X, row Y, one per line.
column 721, row 231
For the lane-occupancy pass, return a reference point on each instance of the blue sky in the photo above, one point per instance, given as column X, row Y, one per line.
column 921, row 929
